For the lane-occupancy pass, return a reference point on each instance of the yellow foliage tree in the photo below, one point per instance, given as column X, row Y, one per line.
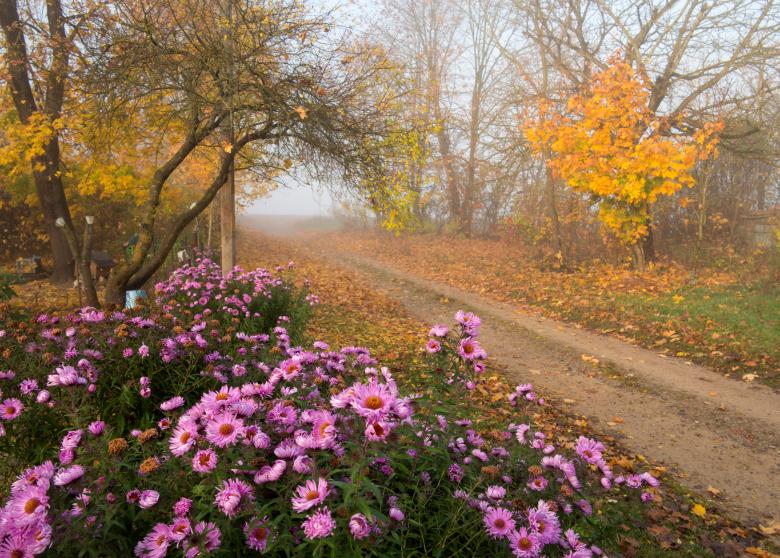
column 609, row 144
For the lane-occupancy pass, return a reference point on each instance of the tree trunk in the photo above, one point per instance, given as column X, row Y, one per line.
column 227, row 219
column 639, row 256
column 63, row 269
column 552, row 202
column 115, row 293
column 46, row 166
column 648, row 245
column 51, row 196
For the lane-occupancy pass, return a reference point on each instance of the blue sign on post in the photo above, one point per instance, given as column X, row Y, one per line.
column 132, row 298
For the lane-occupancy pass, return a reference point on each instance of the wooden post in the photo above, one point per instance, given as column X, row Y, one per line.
column 227, row 202
column 83, row 272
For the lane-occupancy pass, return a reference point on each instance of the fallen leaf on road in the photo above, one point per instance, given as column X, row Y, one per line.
column 712, row 490
column 772, row 529
column 760, row 552
column 617, row 420
column 749, row 377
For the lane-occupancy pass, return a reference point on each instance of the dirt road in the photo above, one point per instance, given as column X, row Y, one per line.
column 714, row 432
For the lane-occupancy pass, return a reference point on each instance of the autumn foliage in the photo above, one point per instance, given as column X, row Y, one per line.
column 607, row 143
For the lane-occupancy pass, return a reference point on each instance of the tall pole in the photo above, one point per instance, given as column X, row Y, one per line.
column 227, row 202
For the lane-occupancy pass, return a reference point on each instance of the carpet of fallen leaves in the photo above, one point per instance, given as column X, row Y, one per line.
column 352, row 313
column 594, row 296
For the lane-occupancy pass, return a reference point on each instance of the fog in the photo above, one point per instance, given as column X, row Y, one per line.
column 296, row 199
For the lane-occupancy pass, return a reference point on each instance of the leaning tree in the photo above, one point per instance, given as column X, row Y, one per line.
column 262, row 84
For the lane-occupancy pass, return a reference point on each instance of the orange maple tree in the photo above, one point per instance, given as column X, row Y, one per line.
column 607, row 143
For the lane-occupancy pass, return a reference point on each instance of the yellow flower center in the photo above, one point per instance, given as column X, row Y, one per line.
column 373, row 402
column 31, row 505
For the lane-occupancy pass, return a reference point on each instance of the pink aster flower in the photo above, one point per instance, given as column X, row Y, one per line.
column 132, row 496
column 68, row 475
column 283, row 413
column 232, row 494
column 378, row 431
column 588, row 449
column 439, row 330
column 372, row 400
column 290, row 368
column 359, row 526
column 38, row 476
column 537, row 483
column 182, row 507
column 319, row 525
column 467, row 319
column 495, row 492
column 215, row 400
column 271, row 473
column 148, row 498
column 204, row 461
column 433, row 346
column 180, row 529
column 183, row 439
column 499, row 522
column 310, row 494
column 396, row 514
column 303, row 464
column 97, row 427
column 10, row 409
column 522, row 430
column 28, row 507
column 71, row 440
column 544, row 523
column 470, row 349
column 224, row 430
column 524, row 544
column 28, row 386
column 172, row 403
column 257, row 533
column 65, row 376
column 155, row 544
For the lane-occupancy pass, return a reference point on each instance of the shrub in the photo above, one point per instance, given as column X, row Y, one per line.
column 314, row 453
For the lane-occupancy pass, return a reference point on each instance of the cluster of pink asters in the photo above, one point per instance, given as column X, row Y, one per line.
column 531, row 531
column 467, row 346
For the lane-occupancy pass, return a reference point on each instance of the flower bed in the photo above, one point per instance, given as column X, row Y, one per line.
column 289, row 451
column 200, row 329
